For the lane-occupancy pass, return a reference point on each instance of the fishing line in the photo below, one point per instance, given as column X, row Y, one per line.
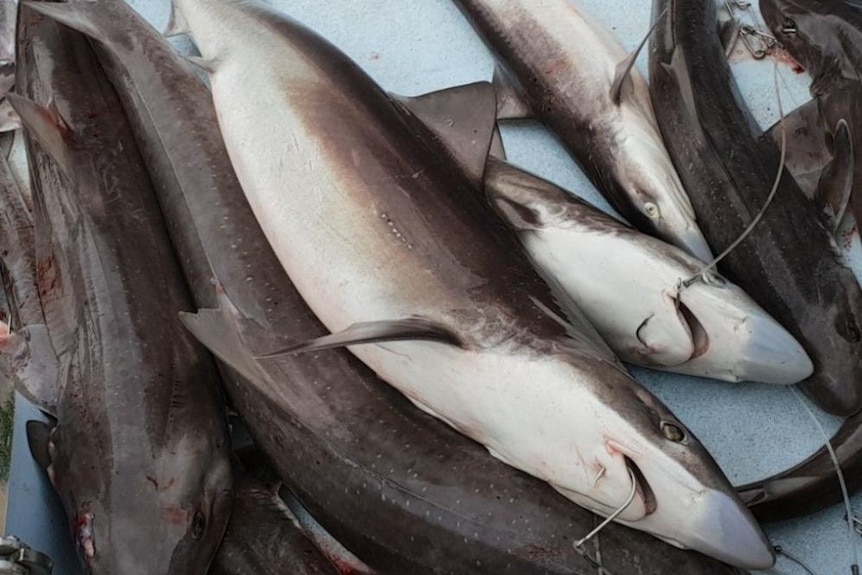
column 780, row 550
column 769, row 198
column 578, row 545
column 852, row 532
column 613, row 515
column 597, row 561
column 597, row 564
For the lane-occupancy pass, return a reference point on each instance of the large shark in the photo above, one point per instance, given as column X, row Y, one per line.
column 139, row 450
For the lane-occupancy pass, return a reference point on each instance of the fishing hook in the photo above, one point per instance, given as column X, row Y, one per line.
column 766, row 43
column 613, row 515
column 855, row 520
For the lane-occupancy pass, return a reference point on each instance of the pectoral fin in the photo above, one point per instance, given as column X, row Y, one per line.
column 29, row 361
column 375, row 332
column 463, row 118
column 624, row 68
column 836, row 180
column 47, row 125
column 807, row 152
column 220, row 331
column 38, row 438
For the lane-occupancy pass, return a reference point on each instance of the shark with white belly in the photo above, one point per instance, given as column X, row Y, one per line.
column 376, row 225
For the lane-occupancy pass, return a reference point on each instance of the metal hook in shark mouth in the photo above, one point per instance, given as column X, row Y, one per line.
column 644, row 490
column 631, row 287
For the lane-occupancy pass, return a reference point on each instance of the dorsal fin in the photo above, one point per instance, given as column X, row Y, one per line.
column 47, row 125
column 463, row 118
column 807, row 151
column 624, row 68
column 219, row 330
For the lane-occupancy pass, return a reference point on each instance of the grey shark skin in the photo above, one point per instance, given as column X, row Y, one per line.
column 449, row 310
column 138, row 454
column 826, row 39
column 562, row 63
column 788, row 263
column 402, row 491
column 822, row 43
column 17, row 244
column 263, row 537
column 812, row 485
column 823, row 36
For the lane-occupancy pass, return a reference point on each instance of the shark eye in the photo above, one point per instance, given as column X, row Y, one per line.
column 651, row 210
column 199, row 523
column 789, row 26
column 672, row 431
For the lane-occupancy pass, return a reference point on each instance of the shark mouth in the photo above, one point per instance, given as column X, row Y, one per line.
column 699, row 336
column 642, row 487
column 698, row 333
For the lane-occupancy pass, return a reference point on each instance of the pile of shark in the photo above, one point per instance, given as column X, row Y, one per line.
column 285, row 321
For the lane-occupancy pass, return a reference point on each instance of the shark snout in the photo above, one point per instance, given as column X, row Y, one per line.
column 745, row 343
column 728, row 532
column 692, row 241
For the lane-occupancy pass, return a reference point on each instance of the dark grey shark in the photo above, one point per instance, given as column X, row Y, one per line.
column 562, row 67
column 263, row 536
column 402, row 491
column 788, row 263
column 826, row 39
column 139, row 452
